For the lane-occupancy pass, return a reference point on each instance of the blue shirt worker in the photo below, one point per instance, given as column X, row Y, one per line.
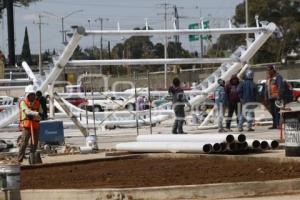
column 179, row 101
column 220, row 100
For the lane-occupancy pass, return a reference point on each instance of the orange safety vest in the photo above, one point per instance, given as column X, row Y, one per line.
column 24, row 121
column 274, row 92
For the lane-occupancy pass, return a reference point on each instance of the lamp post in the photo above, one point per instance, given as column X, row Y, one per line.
column 62, row 18
column 100, row 19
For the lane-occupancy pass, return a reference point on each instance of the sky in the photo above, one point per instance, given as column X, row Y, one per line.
column 129, row 14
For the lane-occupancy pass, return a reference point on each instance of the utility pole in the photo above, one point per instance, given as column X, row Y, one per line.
column 246, row 17
column 176, row 37
column 200, row 26
column 166, row 6
column 100, row 19
column 10, row 32
column 62, row 18
column 40, row 23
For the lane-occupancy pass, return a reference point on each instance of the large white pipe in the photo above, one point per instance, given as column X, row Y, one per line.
column 239, row 137
column 266, row 144
column 64, row 58
column 273, row 144
column 217, row 147
column 209, row 138
column 190, row 147
column 237, row 146
column 158, row 61
column 29, row 72
column 177, row 31
column 254, row 144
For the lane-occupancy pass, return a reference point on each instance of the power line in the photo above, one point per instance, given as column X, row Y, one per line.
column 165, row 6
column 101, row 19
column 40, row 23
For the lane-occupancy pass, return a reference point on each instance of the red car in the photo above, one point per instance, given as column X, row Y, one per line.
column 77, row 101
column 296, row 88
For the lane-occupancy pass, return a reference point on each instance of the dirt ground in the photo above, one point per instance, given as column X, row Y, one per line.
column 145, row 172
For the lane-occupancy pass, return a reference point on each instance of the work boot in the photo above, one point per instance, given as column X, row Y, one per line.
column 182, row 133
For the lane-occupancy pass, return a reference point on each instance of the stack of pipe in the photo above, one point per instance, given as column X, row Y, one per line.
column 200, row 143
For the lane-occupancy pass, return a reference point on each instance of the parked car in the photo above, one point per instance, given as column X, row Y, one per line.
column 296, row 88
column 109, row 103
column 77, row 101
column 6, row 101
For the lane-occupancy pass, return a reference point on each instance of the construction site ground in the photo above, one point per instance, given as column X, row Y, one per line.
column 111, row 169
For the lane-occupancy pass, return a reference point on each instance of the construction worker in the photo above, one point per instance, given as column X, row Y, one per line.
column 179, row 100
column 30, row 112
column 43, row 102
column 274, row 87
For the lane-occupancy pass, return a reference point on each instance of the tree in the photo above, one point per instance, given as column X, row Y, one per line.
column 25, row 3
column 26, row 53
column 285, row 14
column 78, row 54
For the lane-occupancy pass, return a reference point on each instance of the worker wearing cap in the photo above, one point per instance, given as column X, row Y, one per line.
column 274, row 88
column 30, row 111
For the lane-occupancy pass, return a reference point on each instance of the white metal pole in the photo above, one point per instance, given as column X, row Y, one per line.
column 158, row 61
column 51, row 101
column 63, row 59
column 172, row 32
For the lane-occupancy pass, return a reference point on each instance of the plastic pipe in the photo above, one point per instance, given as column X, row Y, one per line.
column 239, row 137
column 264, row 145
column 165, row 147
column 217, row 147
column 254, row 144
column 209, row 138
column 273, row 144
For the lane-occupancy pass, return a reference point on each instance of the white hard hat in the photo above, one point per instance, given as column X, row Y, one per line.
column 30, row 89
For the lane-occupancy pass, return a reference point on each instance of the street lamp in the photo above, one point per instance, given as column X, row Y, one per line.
column 62, row 18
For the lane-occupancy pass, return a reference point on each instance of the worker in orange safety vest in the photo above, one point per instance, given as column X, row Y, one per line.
column 30, row 112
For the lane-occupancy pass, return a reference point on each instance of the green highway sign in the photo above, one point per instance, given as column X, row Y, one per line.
column 193, row 37
column 198, row 37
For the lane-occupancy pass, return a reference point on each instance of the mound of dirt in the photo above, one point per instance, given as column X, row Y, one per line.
column 146, row 172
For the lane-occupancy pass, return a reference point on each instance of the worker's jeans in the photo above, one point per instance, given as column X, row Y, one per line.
column 179, row 120
column 247, row 114
column 26, row 135
column 220, row 114
column 275, row 112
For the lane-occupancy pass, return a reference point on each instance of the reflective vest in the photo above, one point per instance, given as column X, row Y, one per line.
column 273, row 89
column 24, row 121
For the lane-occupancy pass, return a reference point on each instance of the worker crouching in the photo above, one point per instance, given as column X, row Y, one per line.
column 30, row 112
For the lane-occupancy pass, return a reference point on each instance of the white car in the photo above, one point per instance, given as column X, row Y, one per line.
column 101, row 104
